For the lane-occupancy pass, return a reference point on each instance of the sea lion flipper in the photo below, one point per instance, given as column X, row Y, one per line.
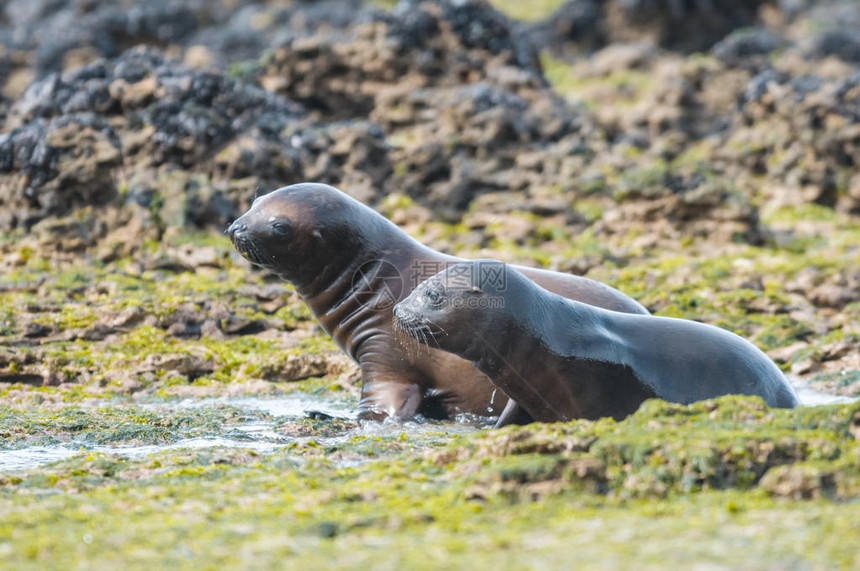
column 513, row 414
column 381, row 399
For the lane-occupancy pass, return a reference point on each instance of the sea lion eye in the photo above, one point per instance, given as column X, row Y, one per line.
column 280, row 228
column 433, row 296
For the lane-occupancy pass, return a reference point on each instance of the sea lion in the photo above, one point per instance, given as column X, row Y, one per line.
column 351, row 265
column 561, row 359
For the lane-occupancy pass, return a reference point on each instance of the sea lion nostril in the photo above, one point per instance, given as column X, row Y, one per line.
column 236, row 228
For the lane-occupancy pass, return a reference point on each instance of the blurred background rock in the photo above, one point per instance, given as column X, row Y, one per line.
column 176, row 112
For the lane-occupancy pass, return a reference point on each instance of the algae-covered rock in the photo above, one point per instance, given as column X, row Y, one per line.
column 666, row 449
column 809, row 481
column 802, row 133
column 686, row 26
column 161, row 142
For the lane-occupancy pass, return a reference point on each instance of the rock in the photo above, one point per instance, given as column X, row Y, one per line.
column 423, row 43
column 105, row 30
column 97, row 332
column 620, row 57
column 236, row 325
column 684, row 26
column 35, row 329
column 211, row 329
column 66, row 155
column 743, row 45
column 33, row 380
column 185, row 364
column 296, row 367
column 800, row 133
column 151, row 144
column 854, row 426
column 805, row 366
column 834, row 295
column 844, row 44
column 475, row 23
column 799, row 482
column 577, row 22
column 128, row 317
column 785, row 354
column 184, row 329
column 671, row 205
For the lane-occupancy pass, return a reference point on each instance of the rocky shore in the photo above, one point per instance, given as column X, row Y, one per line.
column 703, row 157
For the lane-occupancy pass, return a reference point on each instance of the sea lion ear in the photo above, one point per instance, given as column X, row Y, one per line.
column 317, row 234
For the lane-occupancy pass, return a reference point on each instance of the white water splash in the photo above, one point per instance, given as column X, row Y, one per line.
column 810, row 397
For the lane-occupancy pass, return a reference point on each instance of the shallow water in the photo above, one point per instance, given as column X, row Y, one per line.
column 260, row 436
column 38, row 455
column 293, row 405
column 811, row 397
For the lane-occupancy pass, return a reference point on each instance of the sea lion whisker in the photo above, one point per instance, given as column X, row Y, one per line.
column 251, row 250
column 439, row 328
column 428, row 330
column 408, row 342
column 257, row 247
column 404, row 338
column 399, row 334
column 415, row 334
column 418, row 332
column 426, row 342
column 411, row 339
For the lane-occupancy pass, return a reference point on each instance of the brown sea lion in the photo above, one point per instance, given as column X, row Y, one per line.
column 351, row 265
column 561, row 359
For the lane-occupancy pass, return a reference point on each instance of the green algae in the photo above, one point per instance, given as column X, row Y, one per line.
column 524, row 11
column 522, row 495
column 626, row 87
column 527, row 11
column 20, row 427
column 100, row 325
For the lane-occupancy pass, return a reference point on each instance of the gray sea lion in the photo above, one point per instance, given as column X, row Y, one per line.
column 561, row 359
column 351, row 265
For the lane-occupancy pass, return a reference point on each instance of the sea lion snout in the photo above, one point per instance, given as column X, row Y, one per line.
column 403, row 314
column 237, row 227
column 409, row 318
column 244, row 241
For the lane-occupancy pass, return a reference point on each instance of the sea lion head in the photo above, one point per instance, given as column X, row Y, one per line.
column 297, row 231
column 456, row 309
